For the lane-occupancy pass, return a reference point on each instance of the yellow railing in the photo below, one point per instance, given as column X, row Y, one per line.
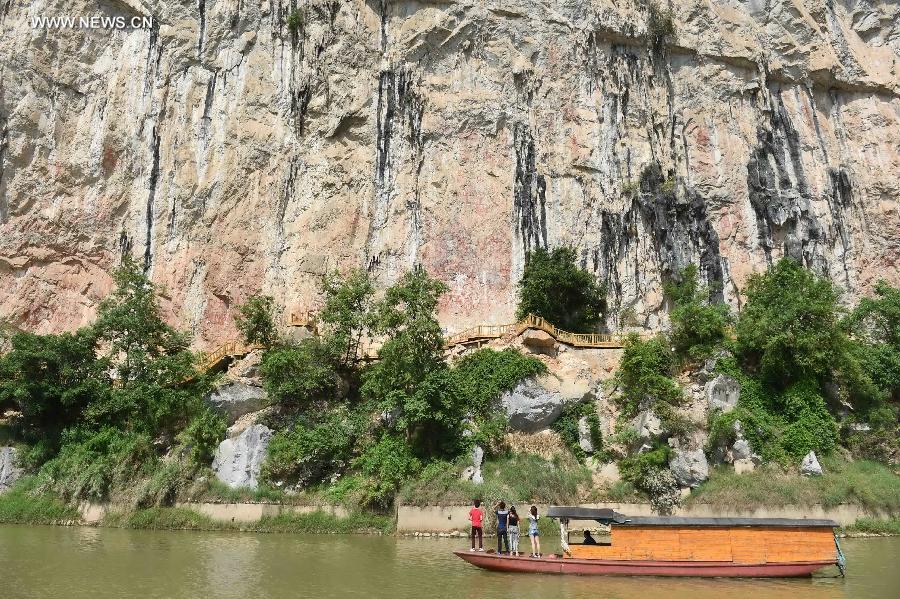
column 229, row 349
column 481, row 332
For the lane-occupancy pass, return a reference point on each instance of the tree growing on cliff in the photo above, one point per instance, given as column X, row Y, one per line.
column 411, row 382
column 788, row 330
column 554, row 287
column 698, row 325
column 255, row 320
column 347, row 313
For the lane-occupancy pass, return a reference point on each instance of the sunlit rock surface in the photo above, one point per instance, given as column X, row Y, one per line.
column 231, row 155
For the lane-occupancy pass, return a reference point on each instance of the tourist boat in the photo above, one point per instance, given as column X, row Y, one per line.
column 669, row 546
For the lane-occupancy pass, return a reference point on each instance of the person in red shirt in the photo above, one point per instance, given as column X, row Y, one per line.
column 475, row 516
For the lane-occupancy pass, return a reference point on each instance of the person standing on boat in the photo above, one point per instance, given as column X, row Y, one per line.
column 533, row 532
column 475, row 515
column 502, row 521
column 513, row 529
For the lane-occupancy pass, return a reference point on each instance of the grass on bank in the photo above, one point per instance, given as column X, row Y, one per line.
column 513, row 478
column 174, row 518
column 869, row 484
column 875, row 526
column 21, row 505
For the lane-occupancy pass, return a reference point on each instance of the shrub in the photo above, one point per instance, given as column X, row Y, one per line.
column 24, row 503
column 788, row 328
column 567, row 427
column 649, row 472
column 554, row 287
column 90, row 466
column 255, row 320
column 698, row 325
column 386, row 464
column 297, row 374
column 644, row 379
column 203, row 435
column 315, row 449
column 660, row 27
column 295, row 21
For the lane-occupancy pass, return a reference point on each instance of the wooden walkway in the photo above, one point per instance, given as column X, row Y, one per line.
column 474, row 335
column 532, row 322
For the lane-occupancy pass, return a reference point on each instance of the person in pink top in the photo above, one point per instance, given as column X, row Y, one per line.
column 475, row 516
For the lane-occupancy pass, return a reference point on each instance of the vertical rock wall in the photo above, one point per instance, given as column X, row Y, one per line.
column 233, row 149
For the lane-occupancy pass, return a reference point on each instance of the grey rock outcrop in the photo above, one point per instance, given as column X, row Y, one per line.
column 723, row 393
column 689, row 466
column 236, row 398
column 536, row 402
column 477, row 461
column 810, row 465
column 741, row 450
column 238, row 460
column 584, row 435
column 9, row 470
column 648, row 425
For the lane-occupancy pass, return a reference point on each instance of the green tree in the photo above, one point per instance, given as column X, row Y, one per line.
column 698, row 325
column 296, row 375
column 644, row 375
column 789, row 327
column 554, row 287
column 875, row 326
column 347, row 313
column 410, row 382
column 255, row 320
column 51, row 380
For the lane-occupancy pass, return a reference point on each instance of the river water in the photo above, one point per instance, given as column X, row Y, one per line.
column 95, row 563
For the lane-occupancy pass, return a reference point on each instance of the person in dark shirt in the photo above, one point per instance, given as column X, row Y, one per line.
column 513, row 528
column 502, row 521
column 588, row 539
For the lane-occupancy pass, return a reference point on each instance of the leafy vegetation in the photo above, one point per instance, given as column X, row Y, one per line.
column 347, row 313
column 698, row 325
column 644, row 381
column 94, row 401
column 555, row 287
column 875, row 526
column 660, row 27
column 297, row 375
column 255, row 320
column 295, row 21
column 25, row 504
column 862, row 482
column 568, row 428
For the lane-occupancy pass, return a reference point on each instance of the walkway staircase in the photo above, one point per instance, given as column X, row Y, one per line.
column 472, row 336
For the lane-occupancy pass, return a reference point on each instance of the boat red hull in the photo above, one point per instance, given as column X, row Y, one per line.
column 506, row 563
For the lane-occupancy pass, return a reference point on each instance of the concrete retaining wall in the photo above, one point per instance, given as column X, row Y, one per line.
column 450, row 518
column 252, row 512
column 92, row 513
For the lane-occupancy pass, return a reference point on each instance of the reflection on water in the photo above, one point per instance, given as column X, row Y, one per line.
column 56, row 562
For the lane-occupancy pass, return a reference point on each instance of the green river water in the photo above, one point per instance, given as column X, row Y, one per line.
column 95, row 563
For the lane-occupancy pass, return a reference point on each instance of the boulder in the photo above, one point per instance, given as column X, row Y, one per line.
column 539, row 340
column 584, row 435
column 467, row 473
column 477, row 461
column 536, row 402
column 741, row 450
column 238, row 460
column 723, row 393
column 9, row 471
column 648, row 425
column 810, row 465
column 604, row 473
column 689, row 467
column 236, row 398
column 246, row 367
column 744, row 465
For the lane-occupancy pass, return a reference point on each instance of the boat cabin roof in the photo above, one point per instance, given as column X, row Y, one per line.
column 608, row 516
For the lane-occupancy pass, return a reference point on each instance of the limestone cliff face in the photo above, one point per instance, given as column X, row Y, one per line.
column 233, row 153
